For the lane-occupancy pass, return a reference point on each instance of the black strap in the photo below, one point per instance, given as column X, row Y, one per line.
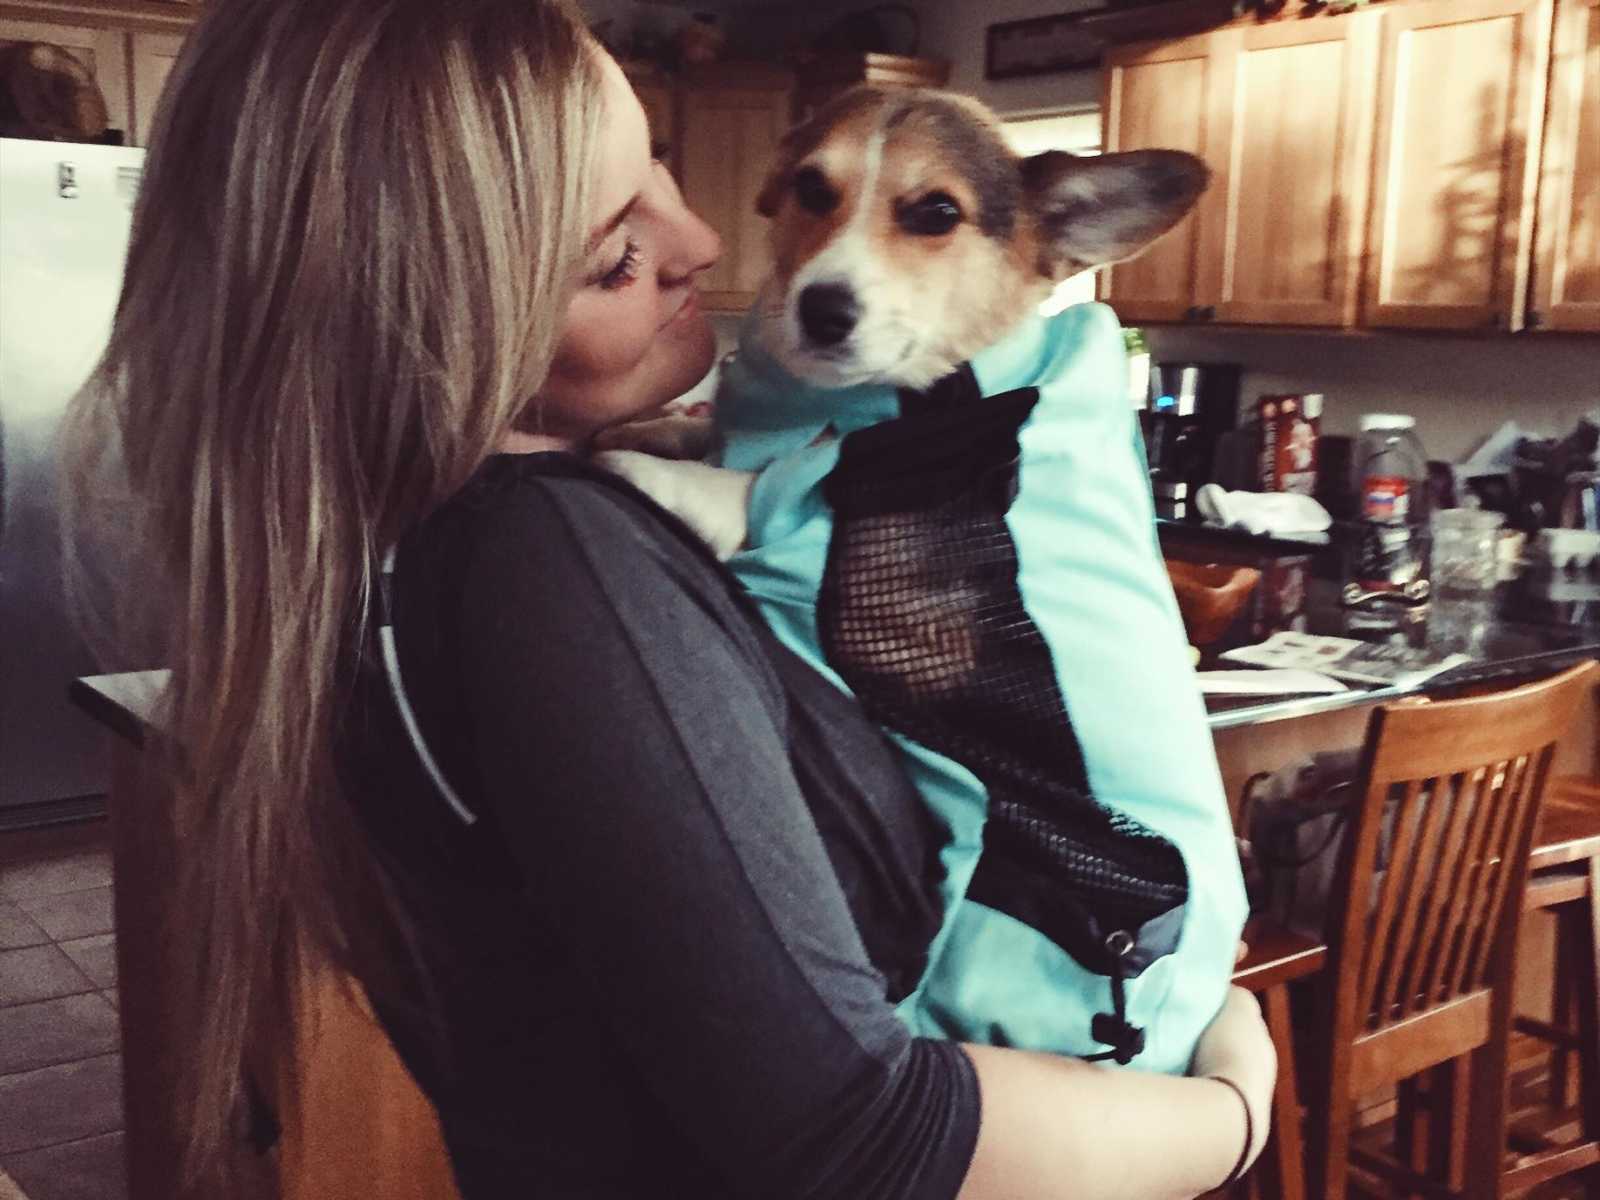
column 1113, row 1028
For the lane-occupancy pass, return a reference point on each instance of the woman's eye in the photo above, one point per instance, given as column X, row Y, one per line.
column 936, row 213
column 813, row 191
column 624, row 272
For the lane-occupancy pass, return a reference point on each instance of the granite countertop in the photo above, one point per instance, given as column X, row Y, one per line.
column 1528, row 627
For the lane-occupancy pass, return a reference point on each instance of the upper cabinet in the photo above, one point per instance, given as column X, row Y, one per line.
column 1291, row 135
column 1394, row 167
column 151, row 57
column 654, row 88
column 729, row 127
column 1282, row 114
column 1460, row 115
column 1159, row 96
column 1566, row 286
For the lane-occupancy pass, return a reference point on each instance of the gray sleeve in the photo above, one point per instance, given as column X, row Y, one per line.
column 631, row 744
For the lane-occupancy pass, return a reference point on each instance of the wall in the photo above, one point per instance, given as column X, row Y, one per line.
column 1458, row 389
column 954, row 30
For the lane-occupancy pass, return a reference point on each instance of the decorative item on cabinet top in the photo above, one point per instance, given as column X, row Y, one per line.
column 1070, row 40
column 47, row 93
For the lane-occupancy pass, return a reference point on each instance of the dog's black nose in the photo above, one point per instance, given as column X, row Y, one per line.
column 828, row 312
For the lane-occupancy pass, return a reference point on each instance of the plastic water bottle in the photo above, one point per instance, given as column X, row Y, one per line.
column 1392, row 477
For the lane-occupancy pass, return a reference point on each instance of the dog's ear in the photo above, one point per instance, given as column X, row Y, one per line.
column 1099, row 209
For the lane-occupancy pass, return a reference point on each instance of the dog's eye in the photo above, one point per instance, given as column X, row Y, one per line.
column 936, row 213
column 813, row 191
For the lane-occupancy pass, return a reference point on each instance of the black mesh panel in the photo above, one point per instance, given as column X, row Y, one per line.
column 920, row 613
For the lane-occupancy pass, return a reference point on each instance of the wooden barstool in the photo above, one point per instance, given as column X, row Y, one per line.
column 1565, row 882
column 1419, row 977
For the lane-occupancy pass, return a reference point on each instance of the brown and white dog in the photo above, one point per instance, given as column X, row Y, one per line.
column 906, row 236
column 941, row 504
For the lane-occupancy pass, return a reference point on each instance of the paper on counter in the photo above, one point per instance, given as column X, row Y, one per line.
column 1283, row 682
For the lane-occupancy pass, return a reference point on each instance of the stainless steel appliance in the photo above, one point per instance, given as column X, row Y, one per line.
column 65, row 211
column 1191, row 406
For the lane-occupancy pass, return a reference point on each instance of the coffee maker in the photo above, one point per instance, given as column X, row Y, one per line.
column 1191, row 406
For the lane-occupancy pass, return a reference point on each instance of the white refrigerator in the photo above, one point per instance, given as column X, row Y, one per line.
column 65, row 211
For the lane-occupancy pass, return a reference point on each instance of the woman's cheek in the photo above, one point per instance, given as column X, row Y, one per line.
column 600, row 346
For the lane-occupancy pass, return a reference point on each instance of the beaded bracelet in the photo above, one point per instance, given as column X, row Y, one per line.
column 1249, row 1134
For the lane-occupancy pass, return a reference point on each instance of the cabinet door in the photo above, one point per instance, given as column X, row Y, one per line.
column 1156, row 98
column 103, row 51
column 656, row 100
column 1567, row 258
column 153, row 56
column 725, row 146
column 1291, row 144
column 1460, row 107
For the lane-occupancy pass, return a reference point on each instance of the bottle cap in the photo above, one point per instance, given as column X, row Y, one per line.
column 1387, row 421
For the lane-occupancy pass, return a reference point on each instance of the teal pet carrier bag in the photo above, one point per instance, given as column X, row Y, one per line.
column 977, row 563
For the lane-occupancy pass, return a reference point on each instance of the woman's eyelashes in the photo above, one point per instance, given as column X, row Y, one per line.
column 623, row 272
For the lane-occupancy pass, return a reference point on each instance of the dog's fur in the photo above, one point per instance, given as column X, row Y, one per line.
column 908, row 239
column 907, row 236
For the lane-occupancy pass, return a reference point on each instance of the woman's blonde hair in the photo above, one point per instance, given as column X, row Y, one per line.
column 359, row 228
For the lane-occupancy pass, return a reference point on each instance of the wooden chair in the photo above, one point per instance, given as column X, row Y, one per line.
column 1420, row 975
column 1275, row 958
column 1564, row 881
column 355, row 1124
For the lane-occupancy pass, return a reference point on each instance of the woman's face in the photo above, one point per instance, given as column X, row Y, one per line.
column 634, row 336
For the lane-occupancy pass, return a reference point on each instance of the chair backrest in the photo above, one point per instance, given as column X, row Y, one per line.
column 1454, row 789
column 355, row 1123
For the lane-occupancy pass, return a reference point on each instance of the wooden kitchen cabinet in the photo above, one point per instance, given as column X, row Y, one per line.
column 1566, row 286
column 730, row 119
column 1461, row 95
column 150, row 58
column 1159, row 96
column 1289, row 140
column 1282, row 114
column 654, row 88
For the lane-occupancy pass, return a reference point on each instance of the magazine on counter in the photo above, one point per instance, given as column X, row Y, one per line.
column 1349, row 659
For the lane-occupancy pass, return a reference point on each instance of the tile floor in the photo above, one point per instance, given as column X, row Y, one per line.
column 60, row 1065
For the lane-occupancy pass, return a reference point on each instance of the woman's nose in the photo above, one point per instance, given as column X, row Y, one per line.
column 696, row 245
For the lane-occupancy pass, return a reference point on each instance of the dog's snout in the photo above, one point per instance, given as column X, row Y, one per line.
column 828, row 312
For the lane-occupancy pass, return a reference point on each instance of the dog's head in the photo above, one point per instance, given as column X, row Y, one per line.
column 907, row 235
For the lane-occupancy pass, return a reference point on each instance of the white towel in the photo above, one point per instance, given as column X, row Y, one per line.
column 1261, row 512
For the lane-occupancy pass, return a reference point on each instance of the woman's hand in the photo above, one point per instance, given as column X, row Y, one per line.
column 1236, row 1046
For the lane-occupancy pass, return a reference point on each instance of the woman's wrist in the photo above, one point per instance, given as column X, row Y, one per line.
column 1248, row 1140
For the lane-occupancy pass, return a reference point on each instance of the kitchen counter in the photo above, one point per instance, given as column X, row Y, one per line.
column 1519, row 633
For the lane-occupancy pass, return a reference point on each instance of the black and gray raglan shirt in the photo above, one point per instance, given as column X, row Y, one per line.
column 663, row 960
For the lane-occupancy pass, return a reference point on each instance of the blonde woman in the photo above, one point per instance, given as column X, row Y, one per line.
column 631, row 889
